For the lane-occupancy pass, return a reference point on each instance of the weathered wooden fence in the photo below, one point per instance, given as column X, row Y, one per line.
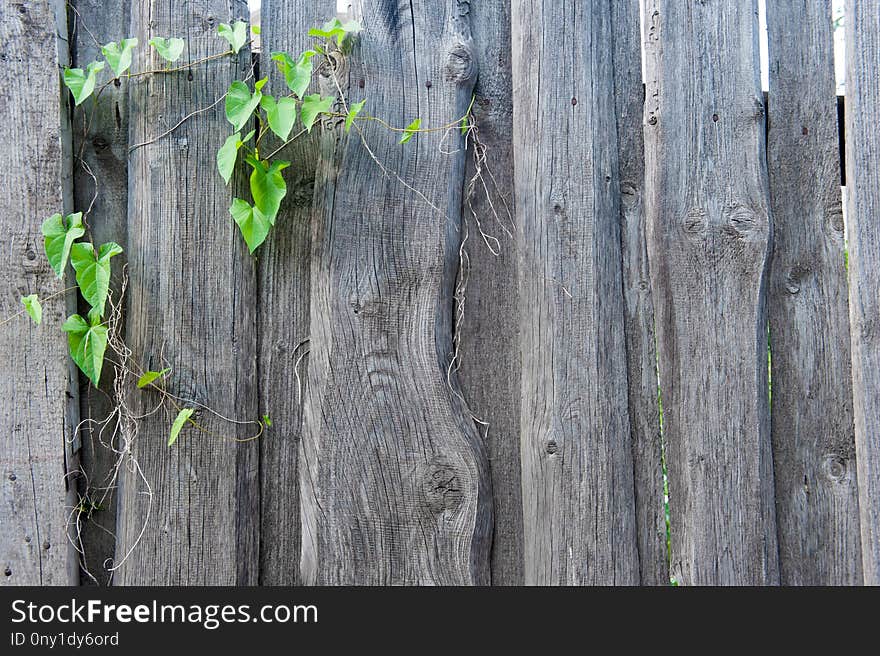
column 448, row 415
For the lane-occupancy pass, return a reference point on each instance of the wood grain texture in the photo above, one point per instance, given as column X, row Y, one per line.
column 577, row 473
column 811, row 419
column 863, row 240
column 641, row 353
column 283, row 307
column 192, row 307
column 489, row 351
column 100, row 184
column 394, row 476
column 708, row 238
column 39, row 410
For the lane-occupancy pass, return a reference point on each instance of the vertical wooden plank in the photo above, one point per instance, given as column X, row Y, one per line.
column 100, row 186
column 811, row 419
column 641, row 353
column 489, row 330
column 192, row 308
column 863, row 240
column 394, row 477
column 38, row 390
column 708, row 238
column 579, row 510
column 283, row 308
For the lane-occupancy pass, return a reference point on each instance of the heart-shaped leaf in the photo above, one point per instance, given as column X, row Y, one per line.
column 253, row 225
column 297, row 74
column 240, row 104
column 168, row 49
column 336, row 29
column 236, row 35
column 267, row 186
column 58, row 236
column 33, row 307
column 93, row 272
column 313, row 106
column 150, row 376
column 87, row 344
column 281, row 115
column 228, row 154
column 181, row 418
column 410, row 130
column 82, row 82
column 353, row 110
column 118, row 55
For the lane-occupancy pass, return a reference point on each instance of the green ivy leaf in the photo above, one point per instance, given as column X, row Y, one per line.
column 33, row 307
column 168, row 49
column 266, row 421
column 465, row 126
column 353, row 110
column 228, row 154
column 313, row 106
column 253, row 225
column 267, row 186
column 240, row 104
column 410, row 130
column 281, row 115
column 297, row 74
column 150, row 376
column 335, row 29
column 93, row 272
column 82, row 82
column 236, row 35
column 58, row 238
column 118, row 55
column 255, row 30
column 87, row 344
column 181, row 418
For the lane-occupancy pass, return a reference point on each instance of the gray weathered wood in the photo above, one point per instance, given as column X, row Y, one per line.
column 863, row 239
column 489, row 349
column 577, row 474
column 192, row 307
column 708, row 238
column 100, row 186
column 39, row 408
column 394, row 477
column 811, row 420
column 641, row 352
column 283, row 308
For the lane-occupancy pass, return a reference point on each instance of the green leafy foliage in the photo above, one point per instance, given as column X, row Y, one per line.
column 82, row 82
column 168, row 49
column 118, row 55
column 297, row 74
column 236, row 35
column 93, row 271
column 151, row 376
column 267, row 186
column 240, row 104
column 228, row 154
column 465, row 126
column 87, row 342
column 182, row 417
column 353, row 110
column 281, row 115
column 58, row 236
column 255, row 30
column 254, row 226
column 313, row 106
column 266, row 421
column 410, row 130
column 336, row 29
column 33, row 307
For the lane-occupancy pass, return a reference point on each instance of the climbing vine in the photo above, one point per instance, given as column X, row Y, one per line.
column 66, row 238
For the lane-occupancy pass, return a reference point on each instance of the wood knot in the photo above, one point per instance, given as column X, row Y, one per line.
column 835, row 468
column 460, row 64
column 440, row 486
